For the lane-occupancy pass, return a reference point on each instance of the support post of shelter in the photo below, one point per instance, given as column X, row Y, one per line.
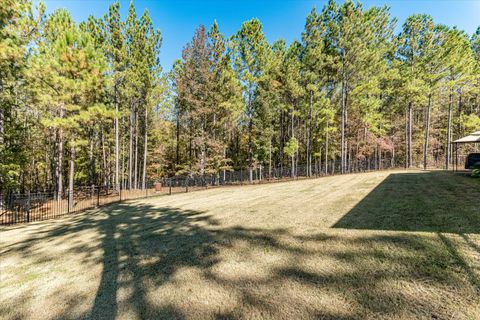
column 473, row 138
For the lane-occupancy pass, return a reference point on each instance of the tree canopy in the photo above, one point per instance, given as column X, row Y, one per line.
column 89, row 103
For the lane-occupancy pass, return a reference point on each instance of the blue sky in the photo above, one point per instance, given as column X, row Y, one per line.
column 285, row 19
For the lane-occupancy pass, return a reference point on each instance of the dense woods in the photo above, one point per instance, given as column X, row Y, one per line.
column 89, row 103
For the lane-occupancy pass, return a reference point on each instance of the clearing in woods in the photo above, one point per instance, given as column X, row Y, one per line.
column 383, row 245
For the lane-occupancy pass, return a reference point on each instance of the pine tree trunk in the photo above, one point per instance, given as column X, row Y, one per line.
column 145, row 151
column 214, row 127
column 54, row 163
column 122, row 170
column 407, row 148
column 70, row 179
column 203, row 147
column 309, row 141
column 270, row 160
column 293, row 136
column 282, row 141
column 349, row 156
column 293, row 166
column 297, row 157
column 60, row 159
column 2, row 126
column 91, row 164
column 224, row 157
column 380, row 158
column 48, row 167
column 393, row 156
column 130, row 152
column 410, row 134
column 449, row 131
column 250, row 151
column 190, row 148
column 427, row 132
column 250, row 140
column 460, row 110
column 326, row 150
column 117, row 164
column 177, row 142
column 343, row 129
column 135, row 172
column 105, row 167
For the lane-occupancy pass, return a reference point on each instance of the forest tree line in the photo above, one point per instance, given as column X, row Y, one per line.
column 89, row 103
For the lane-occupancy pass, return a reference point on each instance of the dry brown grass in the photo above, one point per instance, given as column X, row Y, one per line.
column 385, row 245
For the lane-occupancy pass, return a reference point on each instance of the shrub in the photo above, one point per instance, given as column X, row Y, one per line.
column 476, row 171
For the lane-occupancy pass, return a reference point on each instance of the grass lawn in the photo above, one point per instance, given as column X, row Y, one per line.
column 382, row 245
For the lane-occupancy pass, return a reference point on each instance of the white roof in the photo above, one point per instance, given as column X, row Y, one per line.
column 472, row 138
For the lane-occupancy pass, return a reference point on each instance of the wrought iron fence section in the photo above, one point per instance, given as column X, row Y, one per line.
column 28, row 207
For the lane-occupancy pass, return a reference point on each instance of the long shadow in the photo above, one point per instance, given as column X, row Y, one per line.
column 144, row 247
column 430, row 201
column 167, row 238
column 105, row 304
column 460, row 261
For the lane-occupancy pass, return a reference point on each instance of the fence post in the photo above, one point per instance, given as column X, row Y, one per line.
column 169, row 186
column 120, row 193
column 186, row 184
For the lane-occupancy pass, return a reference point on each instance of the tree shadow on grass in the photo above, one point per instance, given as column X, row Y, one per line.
column 139, row 243
column 429, row 201
column 145, row 243
column 145, row 248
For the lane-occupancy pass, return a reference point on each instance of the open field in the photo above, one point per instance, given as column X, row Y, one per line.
column 380, row 245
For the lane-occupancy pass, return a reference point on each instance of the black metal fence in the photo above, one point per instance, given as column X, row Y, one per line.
column 28, row 207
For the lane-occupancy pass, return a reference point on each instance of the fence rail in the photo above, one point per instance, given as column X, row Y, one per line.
column 28, row 207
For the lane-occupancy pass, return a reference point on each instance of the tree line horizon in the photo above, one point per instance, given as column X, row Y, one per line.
column 89, row 103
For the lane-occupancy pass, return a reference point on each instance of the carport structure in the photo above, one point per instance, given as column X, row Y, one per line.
column 473, row 138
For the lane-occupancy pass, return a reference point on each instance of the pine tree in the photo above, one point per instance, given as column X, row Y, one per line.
column 357, row 38
column 193, row 84
column 250, row 52
column 314, row 60
column 18, row 25
column 460, row 65
column 226, row 101
column 116, row 55
column 72, row 88
column 415, row 43
column 293, row 91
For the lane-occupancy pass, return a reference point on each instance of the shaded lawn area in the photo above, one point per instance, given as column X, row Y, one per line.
column 384, row 245
column 419, row 201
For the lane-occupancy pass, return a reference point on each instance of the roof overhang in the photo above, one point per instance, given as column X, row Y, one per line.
column 471, row 138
